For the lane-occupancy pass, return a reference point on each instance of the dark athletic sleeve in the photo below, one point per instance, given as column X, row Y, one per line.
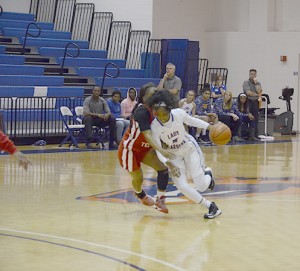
column 143, row 117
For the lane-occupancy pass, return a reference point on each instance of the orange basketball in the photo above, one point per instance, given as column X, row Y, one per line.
column 220, row 134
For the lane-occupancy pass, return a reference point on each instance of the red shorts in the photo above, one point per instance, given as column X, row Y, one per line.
column 131, row 160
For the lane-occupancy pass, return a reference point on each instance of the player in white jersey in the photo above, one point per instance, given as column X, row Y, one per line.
column 168, row 128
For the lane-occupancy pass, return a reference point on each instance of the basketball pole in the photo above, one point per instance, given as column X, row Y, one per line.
column 265, row 137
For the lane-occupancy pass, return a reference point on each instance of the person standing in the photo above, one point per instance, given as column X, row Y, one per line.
column 97, row 113
column 171, row 82
column 252, row 88
column 138, row 147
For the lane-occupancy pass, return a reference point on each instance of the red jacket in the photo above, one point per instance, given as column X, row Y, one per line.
column 6, row 144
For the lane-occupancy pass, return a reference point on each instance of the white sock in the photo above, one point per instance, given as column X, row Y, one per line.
column 205, row 202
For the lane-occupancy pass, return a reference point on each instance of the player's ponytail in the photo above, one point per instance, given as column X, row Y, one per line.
column 142, row 93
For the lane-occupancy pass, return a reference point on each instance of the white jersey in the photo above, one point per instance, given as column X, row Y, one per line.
column 188, row 155
column 188, row 107
column 173, row 132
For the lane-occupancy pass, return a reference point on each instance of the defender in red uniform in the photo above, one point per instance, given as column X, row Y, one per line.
column 138, row 146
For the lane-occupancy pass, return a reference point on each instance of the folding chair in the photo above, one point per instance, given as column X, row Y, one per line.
column 99, row 133
column 74, row 130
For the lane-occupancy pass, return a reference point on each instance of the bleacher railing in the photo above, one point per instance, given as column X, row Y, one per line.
column 203, row 65
column 106, row 74
column 82, row 21
column 63, row 15
column 66, row 53
column 211, row 74
column 138, row 44
column 99, row 32
column 30, row 34
column 35, row 116
column 119, row 34
column 43, row 10
column 151, row 60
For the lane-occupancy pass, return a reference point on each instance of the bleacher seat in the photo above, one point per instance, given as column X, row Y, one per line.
column 30, row 91
column 21, row 69
column 20, row 32
column 31, row 80
column 47, row 42
column 12, row 59
column 23, row 24
column 91, row 62
column 17, row 16
column 2, row 49
column 126, row 82
column 96, row 72
column 59, row 52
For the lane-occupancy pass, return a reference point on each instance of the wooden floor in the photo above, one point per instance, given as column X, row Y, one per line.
column 74, row 210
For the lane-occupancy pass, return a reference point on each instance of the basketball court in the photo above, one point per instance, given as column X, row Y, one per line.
column 74, row 210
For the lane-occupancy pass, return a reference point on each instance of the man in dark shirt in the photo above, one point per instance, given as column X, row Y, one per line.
column 96, row 112
column 252, row 88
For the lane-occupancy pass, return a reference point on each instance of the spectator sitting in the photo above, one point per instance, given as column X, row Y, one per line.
column 217, row 88
column 97, row 113
column 115, row 108
column 205, row 112
column 228, row 113
column 247, row 119
column 189, row 106
column 128, row 103
column 188, row 103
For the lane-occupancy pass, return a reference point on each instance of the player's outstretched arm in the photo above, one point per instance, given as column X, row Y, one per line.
column 23, row 161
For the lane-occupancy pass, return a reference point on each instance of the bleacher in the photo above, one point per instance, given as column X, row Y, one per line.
column 33, row 67
column 66, row 57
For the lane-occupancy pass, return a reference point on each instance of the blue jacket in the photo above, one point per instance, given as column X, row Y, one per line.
column 115, row 108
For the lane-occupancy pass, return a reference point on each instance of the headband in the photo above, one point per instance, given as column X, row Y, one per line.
column 243, row 95
column 160, row 104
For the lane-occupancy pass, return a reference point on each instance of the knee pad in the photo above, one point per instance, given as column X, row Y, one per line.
column 162, row 179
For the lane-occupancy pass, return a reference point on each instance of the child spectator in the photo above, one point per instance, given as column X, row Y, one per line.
column 115, row 108
column 218, row 88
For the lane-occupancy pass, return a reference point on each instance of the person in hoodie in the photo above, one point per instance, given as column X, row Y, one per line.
column 115, row 108
column 128, row 103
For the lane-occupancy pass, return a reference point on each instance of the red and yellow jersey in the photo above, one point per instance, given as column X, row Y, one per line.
column 141, row 120
column 6, row 144
column 134, row 146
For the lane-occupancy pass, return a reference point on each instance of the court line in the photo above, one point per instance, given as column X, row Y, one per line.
column 96, row 245
column 258, row 199
column 75, row 248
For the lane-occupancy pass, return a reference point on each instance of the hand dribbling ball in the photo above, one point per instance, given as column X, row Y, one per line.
column 220, row 134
